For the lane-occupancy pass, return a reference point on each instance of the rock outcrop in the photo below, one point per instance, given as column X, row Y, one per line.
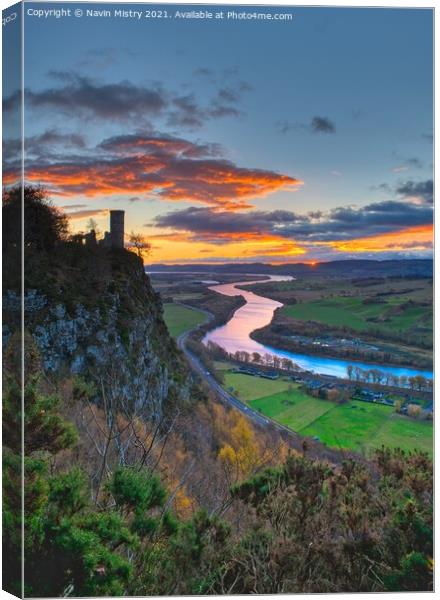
column 117, row 338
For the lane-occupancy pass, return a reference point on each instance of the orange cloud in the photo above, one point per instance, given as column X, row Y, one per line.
column 11, row 178
column 166, row 168
column 93, row 178
column 410, row 238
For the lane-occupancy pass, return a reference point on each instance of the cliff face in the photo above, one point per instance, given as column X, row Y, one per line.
column 105, row 324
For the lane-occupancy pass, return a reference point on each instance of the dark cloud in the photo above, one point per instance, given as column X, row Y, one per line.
column 420, row 190
column 50, row 143
column 43, row 145
column 220, row 110
column 11, row 151
column 316, row 125
column 84, row 97
column 210, row 224
column 203, row 72
column 416, row 192
column 135, row 143
column 343, row 223
column 134, row 199
column 104, row 57
column 189, row 114
column 79, row 96
column 228, row 81
column 12, row 102
column 383, row 187
column 228, row 95
column 284, row 126
column 244, row 86
column 407, row 163
column 373, row 219
column 414, row 162
column 322, row 125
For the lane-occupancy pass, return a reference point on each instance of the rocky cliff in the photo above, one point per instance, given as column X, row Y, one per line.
column 95, row 314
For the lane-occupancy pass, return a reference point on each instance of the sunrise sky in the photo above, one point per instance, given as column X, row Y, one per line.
column 290, row 141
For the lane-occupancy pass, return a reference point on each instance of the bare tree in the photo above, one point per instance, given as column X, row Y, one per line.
column 92, row 225
column 140, row 244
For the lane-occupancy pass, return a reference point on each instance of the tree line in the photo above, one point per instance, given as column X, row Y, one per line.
column 252, row 358
column 416, row 382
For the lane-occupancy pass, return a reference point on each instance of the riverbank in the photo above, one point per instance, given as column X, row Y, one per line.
column 378, row 321
column 257, row 313
column 290, row 336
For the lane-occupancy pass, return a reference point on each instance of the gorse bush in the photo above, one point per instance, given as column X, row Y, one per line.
column 305, row 526
column 314, row 528
column 71, row 545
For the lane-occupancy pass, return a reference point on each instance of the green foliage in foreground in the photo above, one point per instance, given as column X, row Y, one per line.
column 180, row 318
column 304, row 526
column 72, row 546
column 319, row 529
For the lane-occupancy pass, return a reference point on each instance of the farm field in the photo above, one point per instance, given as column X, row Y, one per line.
column 351, row 312
column 181, row 318
column 186, row 296
column 295, row 409
column 247, row 387
column 220, row 365
column 353, row 425
column 356, row 425
column 362, row 426
column 405, row 433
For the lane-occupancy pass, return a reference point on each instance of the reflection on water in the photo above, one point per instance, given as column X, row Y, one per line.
column 258, row 312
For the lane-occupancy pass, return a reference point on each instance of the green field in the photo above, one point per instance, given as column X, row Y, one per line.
column 295, row 409
column 247, row 387
column 351, row 312
column 356, row 425
column 362, row 426
column 180, row 318
column 220, row 365
column 406, row 433
column 181, row 297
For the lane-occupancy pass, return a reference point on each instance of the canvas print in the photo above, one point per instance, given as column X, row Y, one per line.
column 217, row 299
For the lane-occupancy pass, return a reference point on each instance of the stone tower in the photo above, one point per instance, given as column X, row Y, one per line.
column 117, row 228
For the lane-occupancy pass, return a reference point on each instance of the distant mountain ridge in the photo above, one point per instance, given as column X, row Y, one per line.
column 342, row 268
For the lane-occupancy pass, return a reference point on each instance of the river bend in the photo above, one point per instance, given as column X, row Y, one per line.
column 258, row 312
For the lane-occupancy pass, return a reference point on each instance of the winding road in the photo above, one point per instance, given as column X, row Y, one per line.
column 197, row 366
column 295, row 440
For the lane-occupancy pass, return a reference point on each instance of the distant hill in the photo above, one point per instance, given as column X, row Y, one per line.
column 340, row 268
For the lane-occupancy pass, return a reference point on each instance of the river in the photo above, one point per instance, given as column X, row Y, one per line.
column 258, row 312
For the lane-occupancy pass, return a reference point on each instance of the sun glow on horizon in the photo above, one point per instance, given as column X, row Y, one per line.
column 416, row 238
